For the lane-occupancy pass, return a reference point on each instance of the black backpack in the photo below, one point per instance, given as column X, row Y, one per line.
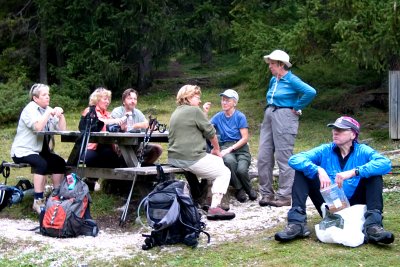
column 9, row 195
column 67, row 214
column 172, row 215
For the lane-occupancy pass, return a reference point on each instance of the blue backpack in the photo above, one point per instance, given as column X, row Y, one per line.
column 9, row 195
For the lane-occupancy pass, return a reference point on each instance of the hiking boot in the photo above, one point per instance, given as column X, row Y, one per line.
column 266, row 201
column 252, row 194
column 376, row 234
column 241, row 195
column 219, row 214
column 38, row 205
column 292, row 231
column 280, row 202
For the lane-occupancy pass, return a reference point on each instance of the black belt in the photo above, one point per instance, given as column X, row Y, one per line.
column 276, row 107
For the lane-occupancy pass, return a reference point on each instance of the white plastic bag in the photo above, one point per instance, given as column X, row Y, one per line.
column 351, row 235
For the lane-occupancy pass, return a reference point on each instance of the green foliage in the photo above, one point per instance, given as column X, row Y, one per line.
column 369, row 34
column 14, row 97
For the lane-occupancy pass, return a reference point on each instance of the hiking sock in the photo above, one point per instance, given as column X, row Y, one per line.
column 216, row 200
column 38, row 195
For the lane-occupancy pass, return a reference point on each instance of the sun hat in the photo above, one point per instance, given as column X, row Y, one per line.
column 346, row 123
column 229, row 93
column 279, row 55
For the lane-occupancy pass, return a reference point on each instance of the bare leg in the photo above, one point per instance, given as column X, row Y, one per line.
column 39, row 182
column 57, row 178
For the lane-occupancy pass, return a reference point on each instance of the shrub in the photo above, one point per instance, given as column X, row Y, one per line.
column 14, row 98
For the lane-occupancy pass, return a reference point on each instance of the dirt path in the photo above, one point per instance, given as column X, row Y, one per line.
column 16, row 243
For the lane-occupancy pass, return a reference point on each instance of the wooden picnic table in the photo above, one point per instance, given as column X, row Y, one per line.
column 128, row 143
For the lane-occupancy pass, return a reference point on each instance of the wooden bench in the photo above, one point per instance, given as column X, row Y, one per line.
column 109, row 173
column 128, row 173
column 15, row 165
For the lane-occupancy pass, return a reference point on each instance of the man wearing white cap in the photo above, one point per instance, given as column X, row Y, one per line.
column 233, row 130
column 287, row 95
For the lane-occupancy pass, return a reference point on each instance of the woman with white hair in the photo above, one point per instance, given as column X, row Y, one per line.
column 35, row 149
column 287, row 95
column 189, row 129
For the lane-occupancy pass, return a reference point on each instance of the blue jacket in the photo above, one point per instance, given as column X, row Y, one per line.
column 290, row 91
column 369, row 162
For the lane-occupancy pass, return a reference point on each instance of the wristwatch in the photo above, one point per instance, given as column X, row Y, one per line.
column 357, row 171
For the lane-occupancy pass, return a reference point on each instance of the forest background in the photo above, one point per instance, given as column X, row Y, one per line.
column 342, row 48
column 76, row 46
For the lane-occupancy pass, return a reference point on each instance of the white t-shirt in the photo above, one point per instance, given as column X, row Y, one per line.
column 25, row 141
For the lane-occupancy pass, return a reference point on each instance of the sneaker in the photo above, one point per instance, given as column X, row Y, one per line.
column 376, row 234
column 38, row 205
column 292, row 231
column 241, row 195
column 252, row 194
column 280, row 202
column 266, row 201
column 219, row 214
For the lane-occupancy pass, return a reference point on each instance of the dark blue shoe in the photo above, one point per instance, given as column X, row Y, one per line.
column 376, row 234
column 293, row 231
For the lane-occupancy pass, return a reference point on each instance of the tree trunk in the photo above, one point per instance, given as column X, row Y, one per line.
column 43, row 55
column 206, row 53
column 144, row 70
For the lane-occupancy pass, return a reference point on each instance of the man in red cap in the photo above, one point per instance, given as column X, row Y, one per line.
column 356, row 168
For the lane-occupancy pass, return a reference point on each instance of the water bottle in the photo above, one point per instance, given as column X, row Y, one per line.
column 71, row 181
column 129, row 122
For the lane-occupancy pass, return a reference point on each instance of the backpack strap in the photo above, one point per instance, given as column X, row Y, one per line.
column 5, row 170
column 197, row 230
column 143, row 202
column 161, row 177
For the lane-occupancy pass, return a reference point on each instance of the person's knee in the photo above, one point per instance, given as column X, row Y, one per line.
column 242, row 172
column 41, row 169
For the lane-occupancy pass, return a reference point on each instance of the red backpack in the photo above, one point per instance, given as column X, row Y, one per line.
column 67, row 214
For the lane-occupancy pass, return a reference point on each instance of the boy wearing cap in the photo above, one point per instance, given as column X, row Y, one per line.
column 233, row 130
column 287, row 95
column 356, row 168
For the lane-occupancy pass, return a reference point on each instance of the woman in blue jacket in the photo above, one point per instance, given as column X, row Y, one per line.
column 356, row 168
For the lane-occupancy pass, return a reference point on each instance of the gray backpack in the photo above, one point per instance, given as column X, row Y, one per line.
column 67, row 214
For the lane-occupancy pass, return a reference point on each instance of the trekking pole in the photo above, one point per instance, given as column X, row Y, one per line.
column 147, row 136
column 85, row 139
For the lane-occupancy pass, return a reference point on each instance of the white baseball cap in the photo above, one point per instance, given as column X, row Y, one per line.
column 229, row 93
column 279, row 55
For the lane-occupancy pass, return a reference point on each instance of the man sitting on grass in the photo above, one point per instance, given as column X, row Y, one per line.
column 355, row 167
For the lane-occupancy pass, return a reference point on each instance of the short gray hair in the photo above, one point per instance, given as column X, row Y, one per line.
column 36, row 89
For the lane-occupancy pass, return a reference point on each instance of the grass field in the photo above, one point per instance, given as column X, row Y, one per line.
column 254, row 250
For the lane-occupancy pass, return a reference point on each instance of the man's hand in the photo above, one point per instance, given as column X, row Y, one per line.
column 323, row 178
column 341, row 176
